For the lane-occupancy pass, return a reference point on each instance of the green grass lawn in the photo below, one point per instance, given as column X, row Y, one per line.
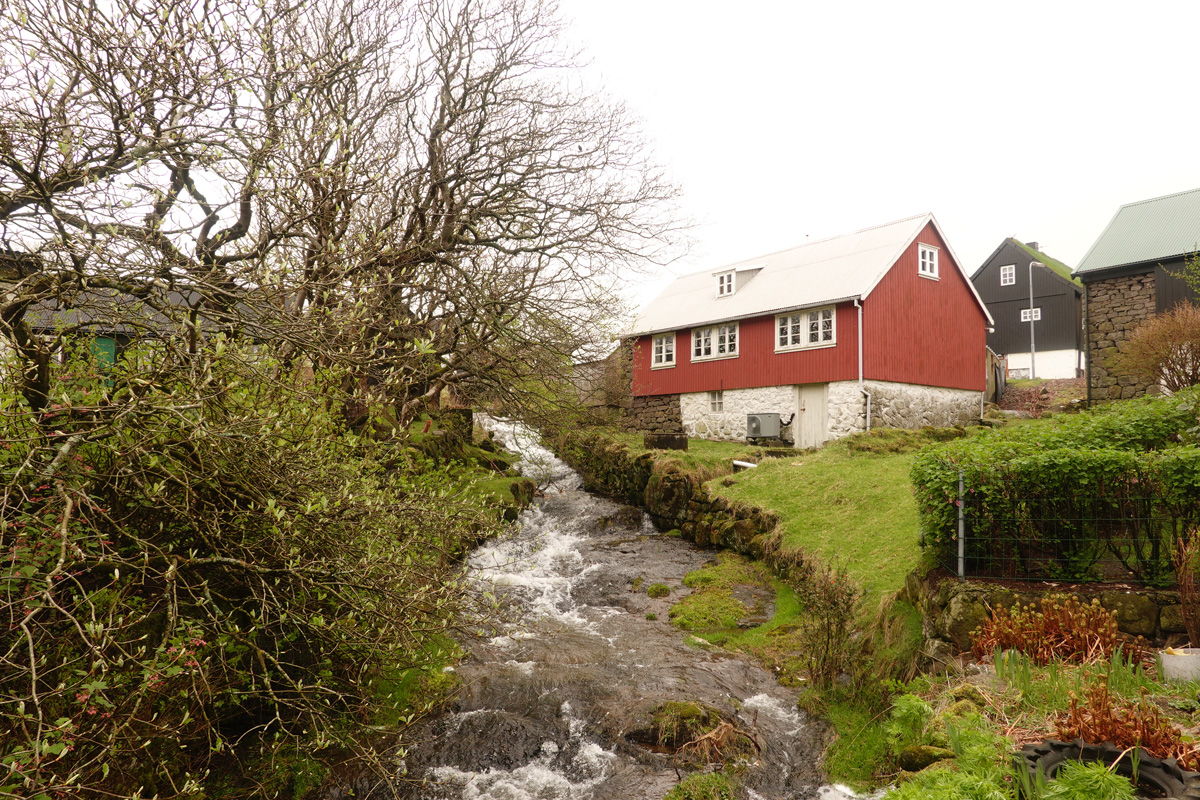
column 705, row 458
column 853, row 509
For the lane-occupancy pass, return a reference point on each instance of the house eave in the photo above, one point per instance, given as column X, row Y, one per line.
column 766, row 313
column 1123, row 270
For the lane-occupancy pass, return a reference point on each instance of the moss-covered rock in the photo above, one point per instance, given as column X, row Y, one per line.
column 960, row 617
column 920, row 756
column 1136, row 614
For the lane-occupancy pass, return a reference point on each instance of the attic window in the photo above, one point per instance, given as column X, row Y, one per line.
column 928, row 261
column 1008, row 275
column 725, row 284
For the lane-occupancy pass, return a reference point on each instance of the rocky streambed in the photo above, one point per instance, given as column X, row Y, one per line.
column 562, row 700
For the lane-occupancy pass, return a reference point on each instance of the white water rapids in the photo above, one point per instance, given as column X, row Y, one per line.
column 550, row 701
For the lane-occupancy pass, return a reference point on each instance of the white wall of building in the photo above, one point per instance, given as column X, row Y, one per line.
column 701, row 421
column 1050, row 364
column 893, row 405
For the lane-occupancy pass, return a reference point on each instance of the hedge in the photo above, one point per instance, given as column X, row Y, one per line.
column 1124, row 478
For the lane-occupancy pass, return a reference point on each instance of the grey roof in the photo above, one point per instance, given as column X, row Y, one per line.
column 1149, row 230
column 106, row 311
column 832, row 270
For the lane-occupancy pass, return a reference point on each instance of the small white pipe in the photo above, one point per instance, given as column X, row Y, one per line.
column 744, row 464
column 861, row 383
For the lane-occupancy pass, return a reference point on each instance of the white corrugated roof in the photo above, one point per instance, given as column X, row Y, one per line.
column 815, row 273
column 1148, row 230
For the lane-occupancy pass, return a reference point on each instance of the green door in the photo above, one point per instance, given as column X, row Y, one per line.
column 105, row 350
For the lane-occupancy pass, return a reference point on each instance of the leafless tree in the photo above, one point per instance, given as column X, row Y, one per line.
column 396, row 197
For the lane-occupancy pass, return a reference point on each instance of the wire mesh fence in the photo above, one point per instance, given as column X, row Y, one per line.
column 1075, row 539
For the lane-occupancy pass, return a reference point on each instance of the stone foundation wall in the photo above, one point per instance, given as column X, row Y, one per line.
column 898, row 405
column 1114, row 308
column 700, row 421
column 655, row 413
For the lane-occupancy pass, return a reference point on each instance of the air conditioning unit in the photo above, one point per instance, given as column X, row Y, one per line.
column 762, row 426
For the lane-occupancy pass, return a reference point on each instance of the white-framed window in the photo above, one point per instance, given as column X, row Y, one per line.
column 725, row 285
column 719, row 341
column 663, row 353
column 716, row 401
column 816, row 327
column 1008, row 275
column 928, row 256
column 1037, row 314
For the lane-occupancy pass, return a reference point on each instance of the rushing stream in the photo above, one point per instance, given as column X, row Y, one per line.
column 550, row 705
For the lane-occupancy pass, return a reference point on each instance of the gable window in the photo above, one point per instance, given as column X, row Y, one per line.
column 928, row 261
column 663, row 354
column 719, row 341
column 1026, row 317
column 1008, row 275
column 716, row 401
column 725, row 284
column 813, row 328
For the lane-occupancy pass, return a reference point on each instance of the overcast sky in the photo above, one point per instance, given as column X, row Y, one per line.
column 782, row 120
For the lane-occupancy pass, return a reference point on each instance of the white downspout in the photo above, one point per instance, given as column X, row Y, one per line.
column 861, row 384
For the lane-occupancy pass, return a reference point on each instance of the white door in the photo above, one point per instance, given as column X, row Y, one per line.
column 811, row 403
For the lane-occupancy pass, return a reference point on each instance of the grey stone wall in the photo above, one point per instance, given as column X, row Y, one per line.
column 1114, row 308
column 655, row 413
column 952, row 610
column 898, row 405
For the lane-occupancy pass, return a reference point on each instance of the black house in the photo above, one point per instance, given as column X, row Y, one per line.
column 1004, row 282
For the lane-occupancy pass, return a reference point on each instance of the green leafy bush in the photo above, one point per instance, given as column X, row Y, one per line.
column 199, row 557
column 1056, row 485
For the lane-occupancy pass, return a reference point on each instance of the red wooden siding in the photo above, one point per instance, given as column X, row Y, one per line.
column 916, row 330
column 757, row 363
column 919, row 330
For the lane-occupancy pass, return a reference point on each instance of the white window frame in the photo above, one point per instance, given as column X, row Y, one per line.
column 716, row 401
column 726, row 283
column 714, row 342
column 1008, row 274
column 1037, row 314
column 662, row 351
column 797, row 329
column 927, row 261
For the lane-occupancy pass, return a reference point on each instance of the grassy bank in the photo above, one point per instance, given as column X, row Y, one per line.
column 849, row 504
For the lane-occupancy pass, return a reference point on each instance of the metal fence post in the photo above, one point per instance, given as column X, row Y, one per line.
column 962, row 529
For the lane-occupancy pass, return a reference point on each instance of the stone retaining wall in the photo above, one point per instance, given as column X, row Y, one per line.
column 1114, row 308
column 655, row 413
column 952, row 609
column 672, row 499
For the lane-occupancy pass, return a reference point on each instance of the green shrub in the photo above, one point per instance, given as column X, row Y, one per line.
column 1055, row 483
column 657, row 590
column 201, row 558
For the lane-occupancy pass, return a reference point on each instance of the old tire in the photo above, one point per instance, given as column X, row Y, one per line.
column 1157, row 777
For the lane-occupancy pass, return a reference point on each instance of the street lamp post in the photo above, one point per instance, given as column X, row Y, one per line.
column 1032, row 346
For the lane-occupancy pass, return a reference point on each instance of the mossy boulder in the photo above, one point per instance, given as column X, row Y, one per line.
column 1170, row 619
column 970, row 693
column 959, row 619
column 920, row 756
column 1136, row 614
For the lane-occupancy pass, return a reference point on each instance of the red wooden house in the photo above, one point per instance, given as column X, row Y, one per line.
column 880, row 327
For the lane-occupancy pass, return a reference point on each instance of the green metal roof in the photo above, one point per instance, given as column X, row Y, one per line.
column 1150, row 230
column 1052, row 263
